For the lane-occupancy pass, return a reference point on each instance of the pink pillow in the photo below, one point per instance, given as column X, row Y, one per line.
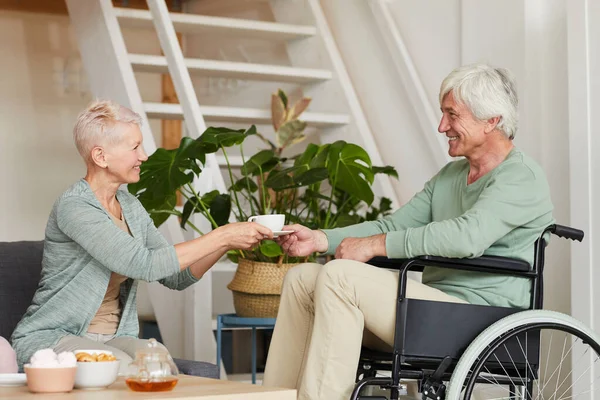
column 8, row 358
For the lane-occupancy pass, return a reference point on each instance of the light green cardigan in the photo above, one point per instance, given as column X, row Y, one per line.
column 82, row 247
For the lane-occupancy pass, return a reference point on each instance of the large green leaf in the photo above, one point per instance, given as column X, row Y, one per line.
column 294, row 177
column 245, row 183
column 321, row 157
column 311, row 176
column 159, row 208
column 218, row 205
column 163, row 174
column 197, row 204
column 347, row 220
column 270, row 249
column 308, row 155
column 189, row 209
column 263, row 161
column 220, row 209
column 349, row 168
column 190, row 148
column 214, row 138
column 279, row 180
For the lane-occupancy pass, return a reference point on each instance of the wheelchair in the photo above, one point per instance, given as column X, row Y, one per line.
column 465, row 351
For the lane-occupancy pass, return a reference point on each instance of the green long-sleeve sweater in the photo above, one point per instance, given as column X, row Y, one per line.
column 82, row 247
column 501, row 214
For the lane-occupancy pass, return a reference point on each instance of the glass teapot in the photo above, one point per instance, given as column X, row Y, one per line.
column 152, row 370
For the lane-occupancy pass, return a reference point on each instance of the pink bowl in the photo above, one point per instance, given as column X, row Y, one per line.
column 50, row 380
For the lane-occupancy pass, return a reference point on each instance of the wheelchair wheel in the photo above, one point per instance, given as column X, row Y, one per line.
column 530, row 355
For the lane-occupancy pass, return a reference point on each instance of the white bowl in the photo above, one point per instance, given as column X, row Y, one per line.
column 96, row 375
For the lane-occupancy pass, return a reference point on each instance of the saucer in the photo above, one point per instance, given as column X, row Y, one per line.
column 13, row 379
column 281, row 233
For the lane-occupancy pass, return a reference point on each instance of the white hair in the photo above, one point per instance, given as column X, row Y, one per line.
column 97, row 125
column 487, row 91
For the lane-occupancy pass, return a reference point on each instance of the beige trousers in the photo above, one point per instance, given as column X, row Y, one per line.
column 319, row 331
column 122, row 347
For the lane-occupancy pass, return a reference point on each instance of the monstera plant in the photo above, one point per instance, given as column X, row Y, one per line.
column 325, row 186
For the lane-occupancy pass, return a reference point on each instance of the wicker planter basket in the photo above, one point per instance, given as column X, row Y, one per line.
column 256, row 288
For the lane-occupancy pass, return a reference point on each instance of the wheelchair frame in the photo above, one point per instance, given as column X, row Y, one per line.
column 417, row 352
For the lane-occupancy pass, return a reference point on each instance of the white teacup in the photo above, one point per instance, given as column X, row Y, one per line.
column 274, row 222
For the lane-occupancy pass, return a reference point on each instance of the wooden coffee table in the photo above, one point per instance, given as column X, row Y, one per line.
column 189, row 387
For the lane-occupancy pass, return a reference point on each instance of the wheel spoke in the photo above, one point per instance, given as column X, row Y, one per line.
column 580, row 376
column 564, row 356
column 480, row 374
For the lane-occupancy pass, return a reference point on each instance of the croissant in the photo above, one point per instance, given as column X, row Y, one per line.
column 85, row 357
column 106, row 357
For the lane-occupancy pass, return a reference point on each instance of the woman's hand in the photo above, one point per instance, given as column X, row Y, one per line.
column 243, row 235
column 303, row 241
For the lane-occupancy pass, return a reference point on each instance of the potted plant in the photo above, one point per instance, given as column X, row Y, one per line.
column 325, row 186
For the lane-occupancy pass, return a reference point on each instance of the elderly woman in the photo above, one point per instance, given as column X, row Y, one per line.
column 100, row 242
column 494, row 201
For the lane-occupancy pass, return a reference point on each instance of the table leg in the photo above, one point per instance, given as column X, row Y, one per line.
column 253, row 355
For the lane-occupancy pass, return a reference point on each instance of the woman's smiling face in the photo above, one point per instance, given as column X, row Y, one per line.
column 123, row 158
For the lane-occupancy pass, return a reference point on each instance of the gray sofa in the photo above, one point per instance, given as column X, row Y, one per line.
column 20, row 267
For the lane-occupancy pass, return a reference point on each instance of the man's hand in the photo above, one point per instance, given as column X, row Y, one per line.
column 303, row 241
column 361, row 249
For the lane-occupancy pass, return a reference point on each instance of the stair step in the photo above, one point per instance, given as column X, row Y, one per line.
column 233, row 70
column 243, row 115
column 234, row 161
column 193, row 23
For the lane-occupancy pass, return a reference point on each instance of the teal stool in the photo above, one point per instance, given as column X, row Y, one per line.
column 233, row 321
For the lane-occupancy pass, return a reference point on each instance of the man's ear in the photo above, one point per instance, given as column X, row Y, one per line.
column 491, row 124
column 99, row 157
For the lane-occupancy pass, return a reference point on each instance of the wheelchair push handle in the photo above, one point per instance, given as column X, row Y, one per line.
column 566, row 232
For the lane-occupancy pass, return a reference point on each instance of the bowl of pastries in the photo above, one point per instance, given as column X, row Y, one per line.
column 96, row 369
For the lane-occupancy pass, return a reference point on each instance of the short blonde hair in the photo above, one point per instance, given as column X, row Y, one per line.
column 96, row 125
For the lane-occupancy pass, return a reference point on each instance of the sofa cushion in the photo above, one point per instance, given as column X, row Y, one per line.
column 197, row 368
column 20, row 268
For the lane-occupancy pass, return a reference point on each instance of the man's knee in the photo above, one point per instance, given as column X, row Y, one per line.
column 303, row 274
column 333, row 274
column 336, row 269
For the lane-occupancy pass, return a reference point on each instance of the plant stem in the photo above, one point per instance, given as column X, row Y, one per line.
column 337, row 167
column 293, row 201
column 263, row 190
column 247, row 179
column 204, row 210
column 237, row 201
column 340, row 210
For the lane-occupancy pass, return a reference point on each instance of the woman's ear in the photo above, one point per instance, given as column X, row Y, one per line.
column 99, row 157
column 491, row 124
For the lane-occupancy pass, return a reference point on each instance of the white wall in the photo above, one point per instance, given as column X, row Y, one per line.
column 42, row 89
column 37, row 158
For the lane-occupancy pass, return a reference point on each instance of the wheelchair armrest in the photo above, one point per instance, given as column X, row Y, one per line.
column 483, row 263
column 393, row 263
column 480, row 264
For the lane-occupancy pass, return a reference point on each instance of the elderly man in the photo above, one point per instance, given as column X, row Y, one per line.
column 494, row 201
